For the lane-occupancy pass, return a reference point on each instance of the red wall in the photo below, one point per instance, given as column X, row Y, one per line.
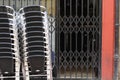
column 108, row 39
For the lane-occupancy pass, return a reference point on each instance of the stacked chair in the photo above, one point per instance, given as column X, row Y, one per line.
column 35, row 39
column 9, row 54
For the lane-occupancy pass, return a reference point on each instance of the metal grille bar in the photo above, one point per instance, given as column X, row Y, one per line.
column 117, row 43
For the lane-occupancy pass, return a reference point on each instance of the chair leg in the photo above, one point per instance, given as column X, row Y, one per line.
column 1, row 76
column 17, row 69
column 27, row 77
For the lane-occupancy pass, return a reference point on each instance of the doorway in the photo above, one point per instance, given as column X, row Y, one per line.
column 78, row 45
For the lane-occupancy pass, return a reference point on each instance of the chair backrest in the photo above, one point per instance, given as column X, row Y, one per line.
column 7, row 30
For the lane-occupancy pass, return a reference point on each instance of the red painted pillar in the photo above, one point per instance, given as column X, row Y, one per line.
column 108, row 39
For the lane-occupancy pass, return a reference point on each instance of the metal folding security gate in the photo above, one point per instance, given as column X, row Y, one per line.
column 78, row 39
column 75, row 27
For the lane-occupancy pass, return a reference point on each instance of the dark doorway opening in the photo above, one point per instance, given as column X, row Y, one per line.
column 79, row 39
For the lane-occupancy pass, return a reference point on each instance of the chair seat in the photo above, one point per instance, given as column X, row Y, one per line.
column 6, row 55
column 5, row 25
column 33, row 18
column 6, row 45
column 35, row 39
column 35, row 24
column 36, row 44
column 33, row 13
column 6, row 9
column 36, row 53
column 8, row 35
column 31, row 48
column 6, row 31
column 5, row 15
column 8, row 40
column 6, row 50
column 3, row 20
column 34, row 28
column 33, row 8
column 33, row 34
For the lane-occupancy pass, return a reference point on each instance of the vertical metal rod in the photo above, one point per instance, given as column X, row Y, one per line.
column 15, row 4
column 46, row 4
column 87, row 40
column 30, row 2
column 27, row 2
column 82, row 40
column 64, row 7
column 21, row 3
column 76, row 66
column 100, row 38
column 82, row 8
column 58, row 39
column 39, row 2
column 93, row 53
column 88, row 3
column 65, row 33
column 24, row 2
column 93, row 60
column 94, row 7
column 51, row 23
column 87, row 54
column 70, row 39
column 3, row 2
column 116, row 59
column 82, row 34
column 76, row 8
column 76, row 33
column 70, row 34
column 9, row 2
column 33, row 2
column 70, row 9
column 51, row 8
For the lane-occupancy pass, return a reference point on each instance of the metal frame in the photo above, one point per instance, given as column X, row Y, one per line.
column 116, row 59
